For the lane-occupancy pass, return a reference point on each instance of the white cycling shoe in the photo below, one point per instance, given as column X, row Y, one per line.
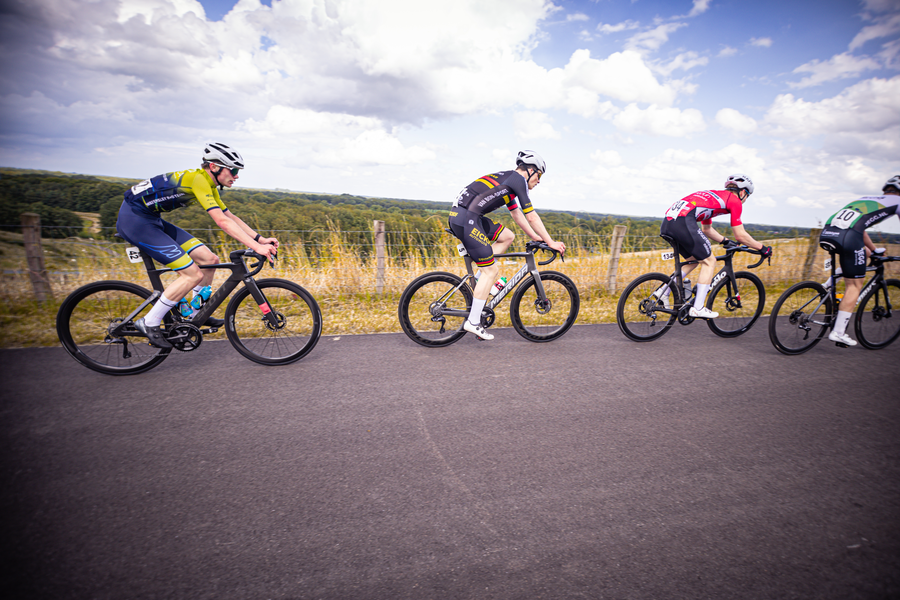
column 703, row 313
column 841, row 338
column 478, row 330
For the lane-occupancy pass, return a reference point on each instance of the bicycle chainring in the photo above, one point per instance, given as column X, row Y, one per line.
column 487, row 317
column 185, row 337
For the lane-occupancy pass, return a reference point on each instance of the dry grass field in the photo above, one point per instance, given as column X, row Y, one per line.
column 344, row 283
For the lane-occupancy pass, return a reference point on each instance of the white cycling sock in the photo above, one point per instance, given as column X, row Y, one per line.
column 475, row 314
column 159, row 310
column 840, row 325
column 702, row 291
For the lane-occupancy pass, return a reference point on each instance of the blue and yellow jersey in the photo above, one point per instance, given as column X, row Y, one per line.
column 169, row 191
column 490, row 192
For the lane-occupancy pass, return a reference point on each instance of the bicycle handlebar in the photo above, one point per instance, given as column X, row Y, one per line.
column 534, row 247
column 251, row 255
column 876, row 260
column 733, row 247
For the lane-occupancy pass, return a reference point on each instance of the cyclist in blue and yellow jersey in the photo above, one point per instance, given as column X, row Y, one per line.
column 140, row 224
column 846, row 232
column 483, row 237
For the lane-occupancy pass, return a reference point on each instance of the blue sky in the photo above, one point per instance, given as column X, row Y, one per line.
column 634, row 104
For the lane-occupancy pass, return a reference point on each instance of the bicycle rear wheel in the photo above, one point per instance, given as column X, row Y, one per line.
column 544, row 320
column 85, row 318
column 637, row 311
column 298, row 328
column 423, row 305
column 800, row 318
column 738, row 308
column 876, row 326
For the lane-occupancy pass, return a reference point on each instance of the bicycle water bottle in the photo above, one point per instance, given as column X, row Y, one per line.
column 498, row 285
column 687, row 289
column 184, row 307
column 201, row 298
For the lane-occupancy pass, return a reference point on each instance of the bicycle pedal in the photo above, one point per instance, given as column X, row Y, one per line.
column 840, row 345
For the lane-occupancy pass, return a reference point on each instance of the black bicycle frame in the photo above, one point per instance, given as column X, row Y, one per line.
column 239, row 274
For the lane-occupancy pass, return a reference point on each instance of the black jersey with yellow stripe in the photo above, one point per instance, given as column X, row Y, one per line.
column 490, row 192
column 169, row 191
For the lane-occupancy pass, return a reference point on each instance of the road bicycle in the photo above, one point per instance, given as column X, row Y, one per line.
column 269, row 321
column 434, row 306
column 806, row 310
column 645, row 313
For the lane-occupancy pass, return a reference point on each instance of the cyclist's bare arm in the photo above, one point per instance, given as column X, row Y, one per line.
column 522, row 222
column 538, row 227
column 741, row 235
column 712, row 234
column 234, row 227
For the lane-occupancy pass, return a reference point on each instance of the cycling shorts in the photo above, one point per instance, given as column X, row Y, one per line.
column 477, row 233
column 165, row 243
column 850, row 247
column 689, row 239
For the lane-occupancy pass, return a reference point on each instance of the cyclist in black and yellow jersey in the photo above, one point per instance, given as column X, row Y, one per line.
column 139, row 223
column 483, row 237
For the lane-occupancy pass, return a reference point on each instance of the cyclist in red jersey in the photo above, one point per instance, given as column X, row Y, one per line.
column 693, row 243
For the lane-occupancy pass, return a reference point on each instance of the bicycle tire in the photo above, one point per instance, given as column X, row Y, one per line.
column 416, row 305
column 299, row 323
column 634, row 311
column 84, row 319
column 540, row 323
column 874, row 329
column 736, row 317
column 792, row 312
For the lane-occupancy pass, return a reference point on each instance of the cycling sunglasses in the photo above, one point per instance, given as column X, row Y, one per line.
column 234, row 171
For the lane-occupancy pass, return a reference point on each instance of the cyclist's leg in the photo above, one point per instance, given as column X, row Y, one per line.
column 853, row 265
column 465, row 226
column 197, row 250
column 149, row 233
column 677, row 230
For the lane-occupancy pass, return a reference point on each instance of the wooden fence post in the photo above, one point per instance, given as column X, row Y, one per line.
column 34, row 256
column 379, row 256
column 615, row 249
column 811, row 254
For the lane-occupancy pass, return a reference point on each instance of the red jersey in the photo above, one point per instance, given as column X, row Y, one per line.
column 705, row 205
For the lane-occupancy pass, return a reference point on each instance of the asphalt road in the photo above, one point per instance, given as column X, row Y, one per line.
column 590, row 467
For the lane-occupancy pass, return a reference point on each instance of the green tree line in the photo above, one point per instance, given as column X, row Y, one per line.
column 305, row 218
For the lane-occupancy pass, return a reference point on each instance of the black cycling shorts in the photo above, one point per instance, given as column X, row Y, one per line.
column 477, row 233
column 165, row 243
column 689, row 239
column 850, row 247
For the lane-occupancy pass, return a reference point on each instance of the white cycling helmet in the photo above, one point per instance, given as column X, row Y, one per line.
column 739, row 181
column 527, row 157
column 221, row 154
column 893, row 182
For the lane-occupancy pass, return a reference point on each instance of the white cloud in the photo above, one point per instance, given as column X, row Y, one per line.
column 734, row 120
column 840, row 66
column 683, row 61
column 621, row 76
column 884, row 27
column 534, row 126
column 577, row 17
column 657, row 120
column 623, row 26
column 649, row 41
column 727, row 51
column 804, row 202
column 761, row 42
column 700, row 7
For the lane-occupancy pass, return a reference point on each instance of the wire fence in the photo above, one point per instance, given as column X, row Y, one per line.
column 333, row 263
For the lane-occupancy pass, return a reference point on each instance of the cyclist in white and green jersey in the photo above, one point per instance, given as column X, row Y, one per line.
column 845, row 230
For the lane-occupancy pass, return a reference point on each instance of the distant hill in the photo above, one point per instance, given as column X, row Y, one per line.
column 58, row 196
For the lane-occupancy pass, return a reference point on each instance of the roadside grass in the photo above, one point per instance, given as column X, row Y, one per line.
column 343, row 282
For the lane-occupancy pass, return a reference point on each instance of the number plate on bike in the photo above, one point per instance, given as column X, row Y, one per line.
column 133, row 254
column 668, row 255
column 827, row 264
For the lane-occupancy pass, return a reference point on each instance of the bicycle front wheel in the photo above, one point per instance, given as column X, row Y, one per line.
column 544, row 319
column 423, row 307
column 878, row 316
column 637, row 312
column 85, row 318
column 800, row 317
column 293, row 336
column 738, row 308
